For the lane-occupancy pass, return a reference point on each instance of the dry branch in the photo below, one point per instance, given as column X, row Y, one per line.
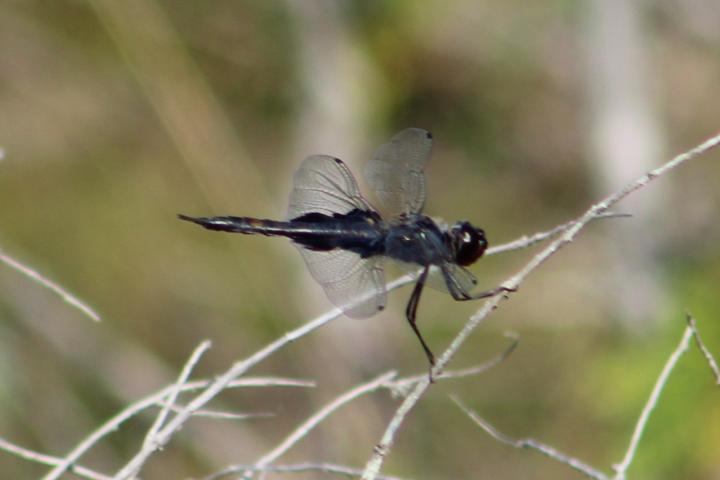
column 340, row 470
column 45, row 459
column 650, row 404
column 157, row 399
column 373, row 465
column 43, row 281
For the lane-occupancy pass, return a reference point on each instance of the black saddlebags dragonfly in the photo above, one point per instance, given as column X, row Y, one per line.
column 344, row 240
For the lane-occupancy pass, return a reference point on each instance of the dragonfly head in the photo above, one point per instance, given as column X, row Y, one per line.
column 467, row 242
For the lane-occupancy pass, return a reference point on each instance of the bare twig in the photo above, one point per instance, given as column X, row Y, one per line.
column 158, row 398
column 383, row 381
column 44, row 459
column 529, row 240
column 172, row 397
column 297, row 468
column 35, row 276
column 682, row 347
column 221, row 382
column 150, row 441
column 312, row 422
column 373, row 465
column 402, row 386
column 531, row 444
column 703, row 349
column 622, row 467
column 217, row 415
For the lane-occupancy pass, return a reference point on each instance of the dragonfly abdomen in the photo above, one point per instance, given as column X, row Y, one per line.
column 246, row 225
column 358, row 231
column 315, row 231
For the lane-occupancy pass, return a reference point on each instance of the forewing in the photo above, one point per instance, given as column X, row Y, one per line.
column 396, row 171
column 356, row 285
column 324, row 184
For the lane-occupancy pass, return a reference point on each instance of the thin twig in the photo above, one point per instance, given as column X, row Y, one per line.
column 531, row 444
column 308, row 425
column 682, row 347
column 620, row 469
column 402, row 386
column 221, row 382
column 172, row 397
column 49, row 284
column 151, row 441
column 703, row 349
column 158, row 398
column 383, row 381
column 217, row 415
column 297, row 468
column 373, row 465
column 529, row 240
column 173, row 392
column 44, row 459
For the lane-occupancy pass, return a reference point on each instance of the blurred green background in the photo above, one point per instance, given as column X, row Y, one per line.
column 116, row 116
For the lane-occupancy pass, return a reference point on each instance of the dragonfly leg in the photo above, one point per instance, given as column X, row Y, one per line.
column 411, row 310
column 459, row 294
column 487, row 293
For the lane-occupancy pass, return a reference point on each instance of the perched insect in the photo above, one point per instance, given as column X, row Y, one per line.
column 344, row 240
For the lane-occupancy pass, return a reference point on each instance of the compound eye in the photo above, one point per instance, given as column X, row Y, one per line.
column 472, row 244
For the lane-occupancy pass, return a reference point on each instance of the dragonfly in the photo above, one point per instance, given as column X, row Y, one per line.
column 345, row 241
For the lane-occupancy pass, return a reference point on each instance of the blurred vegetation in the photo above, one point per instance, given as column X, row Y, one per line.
column 116, row 116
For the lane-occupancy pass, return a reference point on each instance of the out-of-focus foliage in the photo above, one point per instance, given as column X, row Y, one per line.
column 116, row 116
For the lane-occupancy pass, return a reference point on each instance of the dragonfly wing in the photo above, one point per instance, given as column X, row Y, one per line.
column 458, row 279
column 324, row 184
column 396, row 171
column 356, row 285
column 462, row 280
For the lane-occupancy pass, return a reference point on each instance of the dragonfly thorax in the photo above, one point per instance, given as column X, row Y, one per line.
column 417, row 239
